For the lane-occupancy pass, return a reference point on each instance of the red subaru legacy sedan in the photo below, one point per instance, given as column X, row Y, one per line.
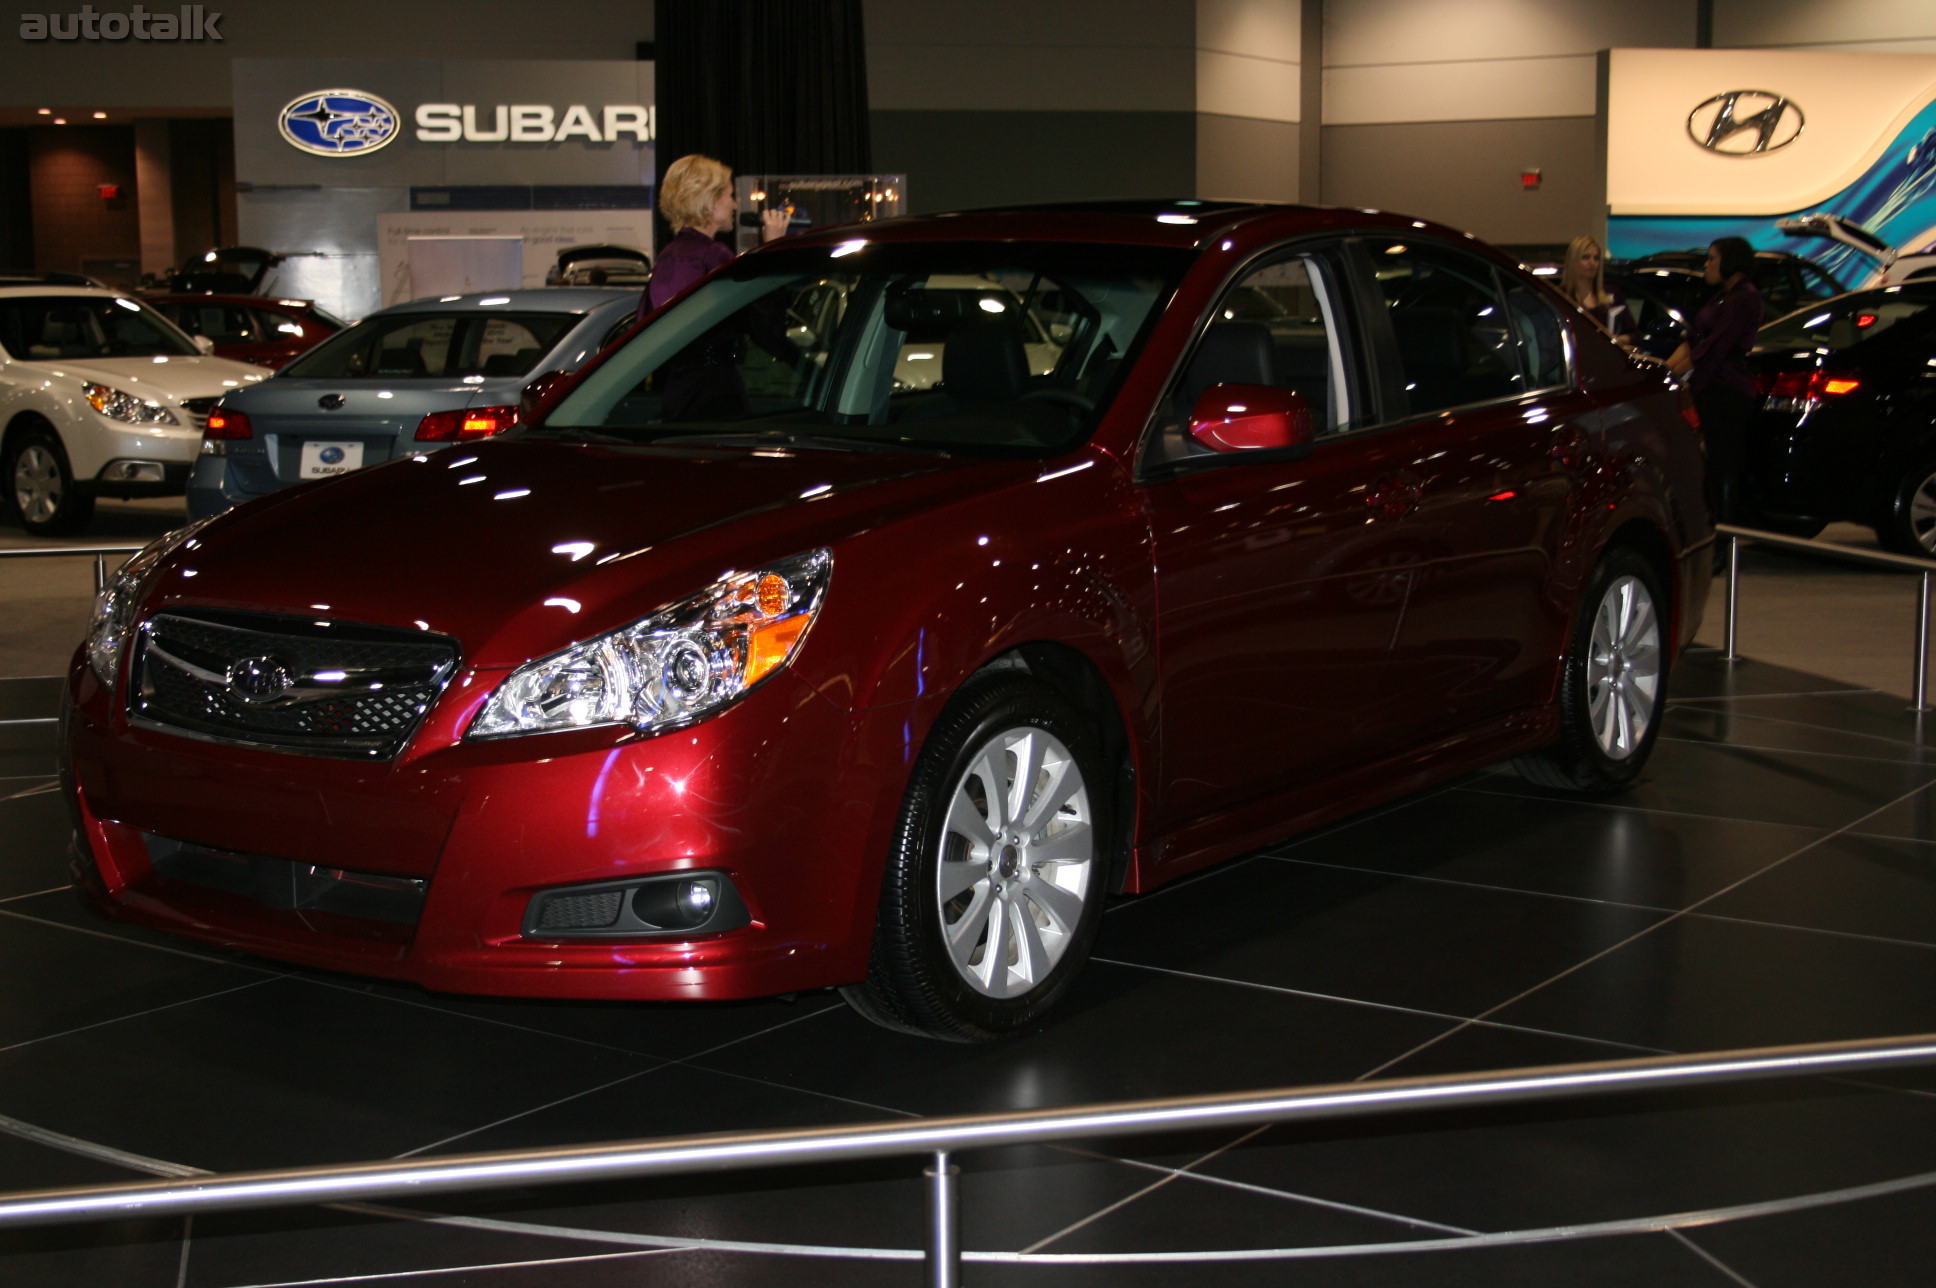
column 750, row 664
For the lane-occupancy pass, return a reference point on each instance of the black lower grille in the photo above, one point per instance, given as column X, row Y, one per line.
column 283, row 883
column 328, row 688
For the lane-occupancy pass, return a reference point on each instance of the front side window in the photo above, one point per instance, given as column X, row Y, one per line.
column 1456, row 337
column 1277, row 326
column 980, row 347
column 40, row 328
column 434, row 345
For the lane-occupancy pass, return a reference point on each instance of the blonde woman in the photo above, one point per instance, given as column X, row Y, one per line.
column 696, row 198
column 1583, row 280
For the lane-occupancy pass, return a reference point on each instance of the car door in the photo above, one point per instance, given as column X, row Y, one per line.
column 1281, row 577
column 1489, row 441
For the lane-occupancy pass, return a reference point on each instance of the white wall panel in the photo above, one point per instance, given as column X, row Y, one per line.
column 1492, row 90
column 1235, row 85
column 1854, row 105
column 1883, row 26
column 1371, row 32
column 1255, row 28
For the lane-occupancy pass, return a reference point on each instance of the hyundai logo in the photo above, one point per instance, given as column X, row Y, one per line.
column 338, row 123
column 1745, row 122
column 259, row 679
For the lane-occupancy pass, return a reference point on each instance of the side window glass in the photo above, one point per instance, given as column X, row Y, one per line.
column 1276, row 326
column 1454, row 338
column 1540, row 336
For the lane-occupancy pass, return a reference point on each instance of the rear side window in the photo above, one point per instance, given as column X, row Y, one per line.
column 1459, row 337
column 441, row 346
column 222, row 323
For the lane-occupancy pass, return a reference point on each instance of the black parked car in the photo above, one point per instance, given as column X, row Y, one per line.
column 1847, row 425
column 1786, row 282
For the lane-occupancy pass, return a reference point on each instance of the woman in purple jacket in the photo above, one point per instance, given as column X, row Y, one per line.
column 1714, row 364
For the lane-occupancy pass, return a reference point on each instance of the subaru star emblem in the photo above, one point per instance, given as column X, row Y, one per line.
column 1745, row 122
column 338, row 123
column 330, row 402
column 258, row 679
column 331, row 455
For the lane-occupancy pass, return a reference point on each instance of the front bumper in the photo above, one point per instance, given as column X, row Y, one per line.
column 480, row 828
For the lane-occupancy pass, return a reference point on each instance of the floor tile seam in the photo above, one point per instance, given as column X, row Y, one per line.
column 33, row 894
column 1852, row 692
column 535, row 1109
column 1336, row 1205
column 1693, row 908
column 45, row 786
column 206, row 959
column 1284, row 991
column 1682, row 813
column 468, row 1268
column 1470, row 885
column 1819, row 930
column 26, row 720
column 1893, row 838
column 1680, row 1236
column 1790, row 751
column 1119, row 902
column 1353, row 821
column 187, row 1243
column 1813, row 726
column 132, row 1015
column 233, row 963
column 714, row 1071
column 1169, row 1178
column 835, row 1008
column 344, row 986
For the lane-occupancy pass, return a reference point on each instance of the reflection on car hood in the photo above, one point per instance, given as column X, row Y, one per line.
column 162, row 379
column 517, row 548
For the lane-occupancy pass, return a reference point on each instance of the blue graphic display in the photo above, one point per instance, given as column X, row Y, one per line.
column 339, row 122
column 1895, row 199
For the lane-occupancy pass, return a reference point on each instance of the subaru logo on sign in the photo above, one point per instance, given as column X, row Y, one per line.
column 1745, row 122
column 259, row 679
column 331, row 455
column 339, row 123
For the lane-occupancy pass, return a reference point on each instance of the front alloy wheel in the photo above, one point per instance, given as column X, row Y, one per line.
column 993, row 889
column 1612, row 684
column 42, row 488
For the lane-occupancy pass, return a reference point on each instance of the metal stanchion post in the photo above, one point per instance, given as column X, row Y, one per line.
column 1733, row 597
column 100, row 573
column 1922, row 646
column 944, row 1223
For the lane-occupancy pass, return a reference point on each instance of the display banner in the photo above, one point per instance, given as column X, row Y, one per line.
column 1710, row 143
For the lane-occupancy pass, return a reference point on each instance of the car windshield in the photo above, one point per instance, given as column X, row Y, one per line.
column 37, row 328
column 442, row 346
column 998, row 347
column 1838, row 324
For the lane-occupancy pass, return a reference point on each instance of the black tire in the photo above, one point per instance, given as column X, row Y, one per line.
column 1016, row 894
column 1614, row 687
column 1909, row 524
column 40, row 485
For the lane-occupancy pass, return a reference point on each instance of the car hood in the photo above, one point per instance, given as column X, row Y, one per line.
column 517, row 548
column 161, row 379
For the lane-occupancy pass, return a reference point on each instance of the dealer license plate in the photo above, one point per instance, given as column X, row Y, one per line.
column 321, row 460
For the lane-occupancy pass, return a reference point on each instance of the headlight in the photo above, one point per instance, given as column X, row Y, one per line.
column 116, row 405
column 679, row 665
column 115, row 605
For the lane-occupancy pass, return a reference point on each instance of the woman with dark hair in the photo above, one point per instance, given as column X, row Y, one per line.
column 1714, row 365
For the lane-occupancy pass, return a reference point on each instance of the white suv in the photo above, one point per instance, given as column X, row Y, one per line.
column 100, row 395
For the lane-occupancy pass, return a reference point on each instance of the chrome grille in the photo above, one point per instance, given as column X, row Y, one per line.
column 327, row 688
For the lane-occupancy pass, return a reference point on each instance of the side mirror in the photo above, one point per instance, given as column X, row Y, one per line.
column 203, row 344
column 1246, row 418
column 539, row 392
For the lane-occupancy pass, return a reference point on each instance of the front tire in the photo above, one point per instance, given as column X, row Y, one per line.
column 1614, row 684
column 41, row 486
column 994, row 887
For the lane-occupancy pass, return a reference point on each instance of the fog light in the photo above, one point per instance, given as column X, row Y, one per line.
column 134, row 472
column 676, row 905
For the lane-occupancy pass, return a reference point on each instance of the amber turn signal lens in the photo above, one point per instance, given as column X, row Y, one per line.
column 768, row 644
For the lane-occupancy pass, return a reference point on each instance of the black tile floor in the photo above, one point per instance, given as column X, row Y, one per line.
column 1771, row 880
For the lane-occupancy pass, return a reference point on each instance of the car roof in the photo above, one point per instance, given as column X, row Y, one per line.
column 44, row 289
column 214, row 297
column 1183, row 222
column 548, row 299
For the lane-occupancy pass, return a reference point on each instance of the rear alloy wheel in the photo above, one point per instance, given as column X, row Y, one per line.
column 1910, row 527
column 994, row 888
column 1614, row 683
column 42, row 487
